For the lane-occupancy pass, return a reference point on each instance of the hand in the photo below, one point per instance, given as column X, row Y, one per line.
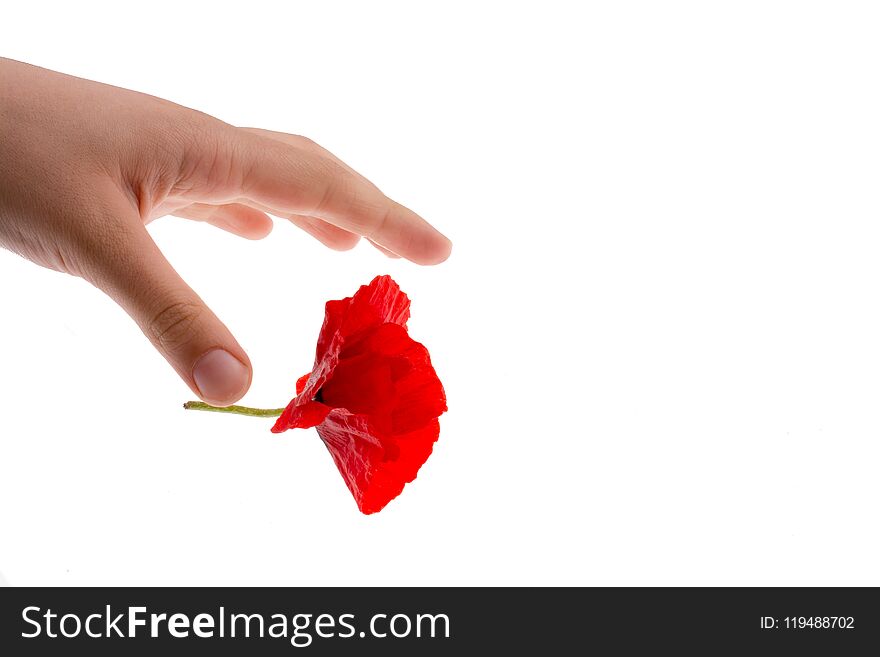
column 84, row 166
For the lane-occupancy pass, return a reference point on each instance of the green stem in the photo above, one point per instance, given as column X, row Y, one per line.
column 237, row 410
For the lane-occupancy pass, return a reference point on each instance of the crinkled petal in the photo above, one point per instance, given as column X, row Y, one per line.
column 380, row 302
column 301, row 382
column 374, row 467
column 301, row 415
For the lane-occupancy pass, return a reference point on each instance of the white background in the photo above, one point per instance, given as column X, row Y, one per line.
column 658, row 330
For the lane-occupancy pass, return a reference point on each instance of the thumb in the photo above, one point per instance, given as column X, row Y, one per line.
column 132, row 271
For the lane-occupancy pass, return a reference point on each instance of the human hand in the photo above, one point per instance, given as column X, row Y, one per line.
column 84, row 166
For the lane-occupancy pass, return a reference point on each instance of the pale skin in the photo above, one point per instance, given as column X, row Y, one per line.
column 85, row 166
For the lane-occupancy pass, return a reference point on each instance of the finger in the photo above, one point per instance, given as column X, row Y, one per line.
column 302, row 142
column 388, row 253
column 308, row 144
column 328, row 234
column 124, row 262
column 235, row 218
column 289, row 177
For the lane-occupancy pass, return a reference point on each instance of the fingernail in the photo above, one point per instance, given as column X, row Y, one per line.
column 220, row 377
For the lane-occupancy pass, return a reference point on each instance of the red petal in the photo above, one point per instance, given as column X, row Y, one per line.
column 363, row 385
column 375, row 468
column 301, row 415
column 301, row 383
column 328, row 338
column 420, row 399
column 388, row 376
column 380, row 302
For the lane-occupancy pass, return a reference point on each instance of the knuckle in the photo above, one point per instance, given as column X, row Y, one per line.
column 211, row 162
column 166, row 156
column 173, row 325
column 189, row 152
column 337, row 191
column 380, row 221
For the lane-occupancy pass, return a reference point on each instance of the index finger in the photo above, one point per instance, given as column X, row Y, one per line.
column 294, row 175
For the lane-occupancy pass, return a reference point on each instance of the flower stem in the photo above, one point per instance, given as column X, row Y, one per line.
column 236, row 410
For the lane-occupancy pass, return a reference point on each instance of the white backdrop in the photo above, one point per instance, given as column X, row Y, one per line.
column 658, row 330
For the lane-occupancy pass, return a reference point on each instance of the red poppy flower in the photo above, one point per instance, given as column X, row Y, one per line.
column 372, row 395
